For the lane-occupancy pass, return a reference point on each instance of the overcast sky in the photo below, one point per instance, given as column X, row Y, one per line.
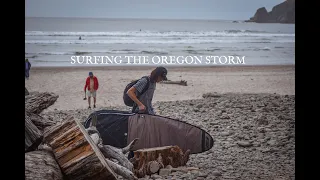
column 163, row 9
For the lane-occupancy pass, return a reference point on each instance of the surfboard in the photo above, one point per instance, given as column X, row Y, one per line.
column 119, row 128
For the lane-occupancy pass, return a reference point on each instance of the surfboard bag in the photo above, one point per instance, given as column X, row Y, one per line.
column 126, row 99
column 119, row 128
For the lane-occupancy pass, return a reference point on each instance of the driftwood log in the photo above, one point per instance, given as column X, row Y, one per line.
column 41, row 165
column 40, row 162
column 26, row 92
column 124, row 167
column 76, row 153
column 33, row 136
column 149, row 161
column 181, row 82
column 37, row 102
column 118, row 154
column 40, row 122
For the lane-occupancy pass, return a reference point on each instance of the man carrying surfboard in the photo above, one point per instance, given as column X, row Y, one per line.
column 140, row 92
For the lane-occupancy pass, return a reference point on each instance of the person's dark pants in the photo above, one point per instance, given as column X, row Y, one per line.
column 27, row 73
column 130, row 155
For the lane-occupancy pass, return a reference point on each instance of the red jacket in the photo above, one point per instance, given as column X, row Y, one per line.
column 95, row 83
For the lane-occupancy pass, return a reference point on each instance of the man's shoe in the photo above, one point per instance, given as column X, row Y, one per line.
column 89, row 107
column 94, row 106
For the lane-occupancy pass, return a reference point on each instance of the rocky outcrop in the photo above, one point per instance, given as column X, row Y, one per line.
column 281, row 13
column 261, row 15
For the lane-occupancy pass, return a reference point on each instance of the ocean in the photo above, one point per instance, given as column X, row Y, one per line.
column 118, row 42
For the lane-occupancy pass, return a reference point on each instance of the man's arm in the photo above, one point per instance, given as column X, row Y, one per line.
column 85, row 86
column 138, row 87
column 97, row 83
column 131, row 93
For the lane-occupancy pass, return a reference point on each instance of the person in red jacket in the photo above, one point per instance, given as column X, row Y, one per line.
column 92, row 85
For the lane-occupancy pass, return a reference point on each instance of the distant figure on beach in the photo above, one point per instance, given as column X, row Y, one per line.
column 141, row 93
column 140, row 29
column 92, row 85
column 27, row 68
column 79, row 37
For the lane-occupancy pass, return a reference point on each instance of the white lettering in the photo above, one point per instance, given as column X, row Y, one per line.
column 224, row 58
column 157, row 58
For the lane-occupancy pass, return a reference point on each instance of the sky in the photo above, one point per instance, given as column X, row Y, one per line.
column 158, row 9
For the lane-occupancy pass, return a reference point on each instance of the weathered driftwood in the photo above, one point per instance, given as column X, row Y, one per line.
column 33, row 136
column 36, row 103
column 181, row 82
column 40, row 165
column 145, row 160
column 40, row 122
column 92, row 128
column 122, row 171
column 118, row 154
column 26, row 92
column 114, row 153
column 76, row 153
column 96, row 138
column 154, row 166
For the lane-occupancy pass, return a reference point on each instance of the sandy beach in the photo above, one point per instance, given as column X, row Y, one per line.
column 69, row 83
column 249, row 111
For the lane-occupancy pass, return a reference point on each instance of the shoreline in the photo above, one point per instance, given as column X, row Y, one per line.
column 187, row 68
